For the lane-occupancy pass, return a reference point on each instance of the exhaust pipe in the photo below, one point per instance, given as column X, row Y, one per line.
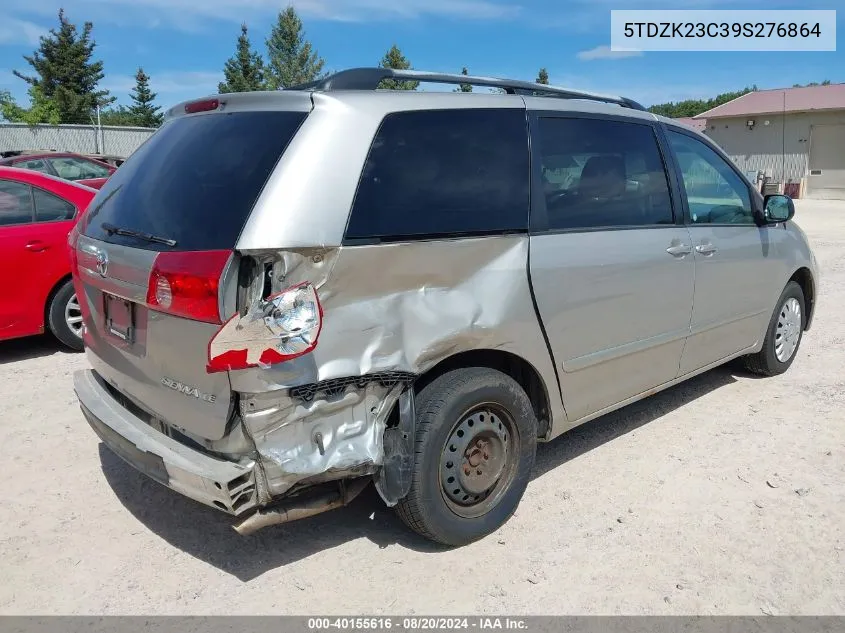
column 295, row 510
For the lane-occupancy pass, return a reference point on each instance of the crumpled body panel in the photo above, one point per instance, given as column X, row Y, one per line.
column 387, row 308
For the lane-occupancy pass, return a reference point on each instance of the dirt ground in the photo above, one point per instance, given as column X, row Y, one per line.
column 724, row 495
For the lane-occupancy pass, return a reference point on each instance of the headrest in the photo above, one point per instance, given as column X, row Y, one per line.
column 603, row 177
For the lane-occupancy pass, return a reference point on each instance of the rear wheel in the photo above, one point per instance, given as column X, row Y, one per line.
column 783, row 337
column 475, row 444
column 64, row 317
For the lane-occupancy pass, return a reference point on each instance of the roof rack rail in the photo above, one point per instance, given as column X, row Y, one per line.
column 370, row 78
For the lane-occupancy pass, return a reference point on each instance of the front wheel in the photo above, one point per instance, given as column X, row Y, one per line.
column 476, row 438
column 64, row 317
column 783, row 337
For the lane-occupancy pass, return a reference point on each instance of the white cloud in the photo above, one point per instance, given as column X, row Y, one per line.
column 14, row 31
column 190, row 14
column 363, row 10
column 166, row 84
column 593, row 16
column 645, row 89
column 605, row 52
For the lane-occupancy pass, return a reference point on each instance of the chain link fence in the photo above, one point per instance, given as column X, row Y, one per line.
column 82, row 139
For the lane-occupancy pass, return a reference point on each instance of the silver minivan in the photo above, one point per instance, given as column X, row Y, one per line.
column 290, row 295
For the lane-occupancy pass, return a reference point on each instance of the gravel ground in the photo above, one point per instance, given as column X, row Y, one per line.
column 724, row 495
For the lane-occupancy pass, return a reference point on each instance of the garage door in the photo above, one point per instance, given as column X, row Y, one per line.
column 826, row 179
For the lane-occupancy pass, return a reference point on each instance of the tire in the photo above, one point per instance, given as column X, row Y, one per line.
column 767, row 362
column 56, row 317
column 483, row 405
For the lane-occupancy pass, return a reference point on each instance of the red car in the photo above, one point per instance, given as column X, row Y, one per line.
column 75, row 167
column 37, row 212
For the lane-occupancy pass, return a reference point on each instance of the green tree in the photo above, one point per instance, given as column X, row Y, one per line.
column 7, row 106
column 291, row 58
column 244, row 71
column 41, row 110
column 464, row 87
column 693, row 107
column 143, row 108
column 826, row 82
column 542, row 77
column 120, row 115
column 396, row 60
column 65, row 75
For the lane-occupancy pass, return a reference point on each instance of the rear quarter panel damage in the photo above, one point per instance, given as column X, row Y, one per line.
column 388, row 309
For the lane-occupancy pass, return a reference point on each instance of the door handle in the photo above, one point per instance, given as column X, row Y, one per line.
column 679, row 250
column 705, row 249
column 36, row 246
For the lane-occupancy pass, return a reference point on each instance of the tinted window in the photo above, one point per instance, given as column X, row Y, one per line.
column 49, row 208
column 15, row 203
column 195, row 180
column 599, row 173
column 715, row 193
column 72, row 168
column 444, row 172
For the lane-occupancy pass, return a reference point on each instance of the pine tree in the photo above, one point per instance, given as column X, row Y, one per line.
column 244, row 71
column 543, row 77
column 396, row 60
column 291, row 58
column 65, row 74
column 464, row 87
column 143, row 110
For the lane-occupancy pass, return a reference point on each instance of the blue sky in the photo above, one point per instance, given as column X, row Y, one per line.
column 183, row 44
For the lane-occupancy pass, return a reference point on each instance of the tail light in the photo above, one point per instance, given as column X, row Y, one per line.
column 205, row 105
column 72, row 241
column 186, row 284
column 280, row 328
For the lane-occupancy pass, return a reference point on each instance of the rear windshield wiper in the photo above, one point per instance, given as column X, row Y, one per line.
column 111, row 229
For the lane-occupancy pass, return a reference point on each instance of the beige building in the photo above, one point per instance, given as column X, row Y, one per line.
column 794, row 136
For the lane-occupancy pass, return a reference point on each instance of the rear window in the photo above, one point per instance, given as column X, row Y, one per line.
column 444, row 173
column 194, row 181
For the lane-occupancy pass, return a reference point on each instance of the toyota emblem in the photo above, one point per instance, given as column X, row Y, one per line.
column 102, row 263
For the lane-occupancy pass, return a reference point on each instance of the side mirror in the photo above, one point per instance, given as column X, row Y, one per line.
column 778, row 208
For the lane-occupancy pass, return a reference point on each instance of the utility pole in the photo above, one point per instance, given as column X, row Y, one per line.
column 101, row 133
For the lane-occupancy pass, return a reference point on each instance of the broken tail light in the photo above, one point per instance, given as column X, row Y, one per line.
column 186, row 284
column 279, row 328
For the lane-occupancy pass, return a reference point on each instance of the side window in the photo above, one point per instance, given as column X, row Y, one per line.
column 15, row 203
column 715, row 194
column 35, row 164
column 50, row 208
column 444, row 172
column 71, row 168
column 601, row 173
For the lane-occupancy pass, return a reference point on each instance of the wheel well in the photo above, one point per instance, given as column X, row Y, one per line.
column 804, row 278
column 514, row 366
column 50, row 295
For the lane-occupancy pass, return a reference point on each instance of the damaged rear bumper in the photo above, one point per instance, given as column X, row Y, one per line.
column 221, row 484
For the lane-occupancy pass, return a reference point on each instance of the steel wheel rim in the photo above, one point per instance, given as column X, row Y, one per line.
column 479, row 460
column 73, row 316
column 788, row 331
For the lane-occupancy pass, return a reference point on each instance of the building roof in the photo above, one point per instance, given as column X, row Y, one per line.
column 698, row 124
column 831, row 97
